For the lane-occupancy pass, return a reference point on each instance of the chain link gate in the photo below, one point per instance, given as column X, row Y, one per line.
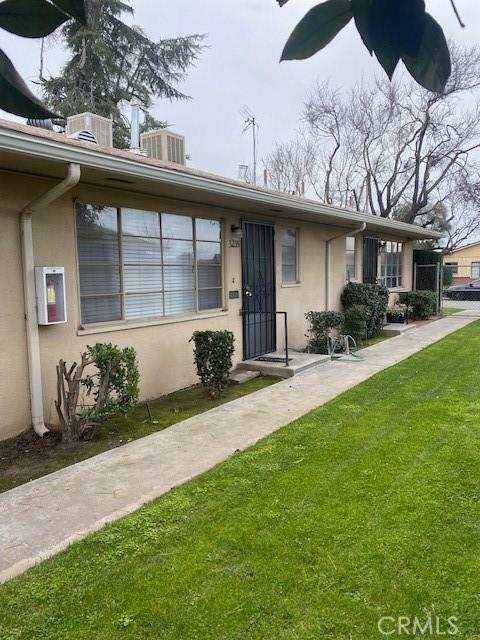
column 461, row 290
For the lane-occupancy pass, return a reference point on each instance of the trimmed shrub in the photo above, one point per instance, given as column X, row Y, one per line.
column 115, row 386
column 422, row 303
column 321, row 324
column 213, row 359
column 372, row 296
column 356, row 321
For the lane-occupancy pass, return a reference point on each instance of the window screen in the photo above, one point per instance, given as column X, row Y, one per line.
column 140, row 264
column 475, row 270
column 350, row 258
column 99, row 263
column 289, row 256
column 391, row 264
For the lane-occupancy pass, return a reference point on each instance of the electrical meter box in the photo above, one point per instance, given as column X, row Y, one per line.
column 50, row 286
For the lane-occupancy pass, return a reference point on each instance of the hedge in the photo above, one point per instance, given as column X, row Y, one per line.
column 320, row 326
column 422, row 303
column 372, row 296
column 213, row 358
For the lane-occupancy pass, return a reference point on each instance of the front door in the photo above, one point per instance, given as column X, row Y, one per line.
column 258, row 281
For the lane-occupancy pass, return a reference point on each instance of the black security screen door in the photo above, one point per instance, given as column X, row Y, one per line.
column 370, row 260
column 258, row 279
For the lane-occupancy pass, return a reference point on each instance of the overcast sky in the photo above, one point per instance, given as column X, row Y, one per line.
column 240, row 69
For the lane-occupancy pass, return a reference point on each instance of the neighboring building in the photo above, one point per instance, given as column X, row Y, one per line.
column 152, row 251
column 464, row 263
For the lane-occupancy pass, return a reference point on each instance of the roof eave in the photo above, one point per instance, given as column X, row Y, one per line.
column 22, row 143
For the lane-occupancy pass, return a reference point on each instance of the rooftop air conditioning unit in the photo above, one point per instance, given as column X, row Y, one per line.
column 99, row 126
column 83, row 136
column 161, row 144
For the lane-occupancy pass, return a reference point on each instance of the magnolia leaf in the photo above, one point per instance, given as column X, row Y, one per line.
column 74, row 8
column 390, row 28
column 431, row 67
column 361, row 14
column 30, row 18
column 317, row 28
column 388, row 56
column 15, row 96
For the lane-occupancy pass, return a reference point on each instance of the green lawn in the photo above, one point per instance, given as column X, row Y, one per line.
column 366, row 507
column 450, row 311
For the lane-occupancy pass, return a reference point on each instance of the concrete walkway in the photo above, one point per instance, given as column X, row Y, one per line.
column 44, row 516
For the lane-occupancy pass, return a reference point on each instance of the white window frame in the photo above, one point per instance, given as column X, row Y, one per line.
column 453, row 266
column 386, row 278
column 123, row 293
column 283, row 231
column 353, row 252
column 475, row 264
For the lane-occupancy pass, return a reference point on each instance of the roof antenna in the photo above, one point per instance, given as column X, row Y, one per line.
column 251, row 123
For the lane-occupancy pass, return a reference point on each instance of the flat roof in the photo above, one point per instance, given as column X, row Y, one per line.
column 45, row 153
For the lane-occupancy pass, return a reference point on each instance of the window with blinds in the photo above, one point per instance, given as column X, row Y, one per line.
column 289, row 256
column 136, row 264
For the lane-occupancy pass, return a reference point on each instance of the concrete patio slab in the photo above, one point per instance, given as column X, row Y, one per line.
column 396, row 329
column 44, row 516
column 298, row 361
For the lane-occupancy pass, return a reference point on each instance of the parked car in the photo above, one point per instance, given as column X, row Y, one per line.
column 470, row 291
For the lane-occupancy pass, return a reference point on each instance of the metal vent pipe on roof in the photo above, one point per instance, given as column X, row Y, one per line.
column 135, row 124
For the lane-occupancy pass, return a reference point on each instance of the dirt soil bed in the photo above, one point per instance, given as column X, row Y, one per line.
column 27, row 456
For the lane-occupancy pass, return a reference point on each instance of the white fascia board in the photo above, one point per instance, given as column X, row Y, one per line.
column 21, row 143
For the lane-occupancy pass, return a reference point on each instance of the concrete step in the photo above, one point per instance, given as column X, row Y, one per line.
column 396, row 329
column 239, row 376
column 298, row 361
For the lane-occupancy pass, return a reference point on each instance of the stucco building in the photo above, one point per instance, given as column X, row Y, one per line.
column 152, row 251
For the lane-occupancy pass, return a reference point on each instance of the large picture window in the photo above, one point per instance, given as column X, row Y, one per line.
column 142, row 264
column 390, row 259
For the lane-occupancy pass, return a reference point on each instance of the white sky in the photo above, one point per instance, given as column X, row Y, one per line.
column 240, row 68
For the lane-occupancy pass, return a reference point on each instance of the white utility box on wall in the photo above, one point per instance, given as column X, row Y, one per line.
column 51, row 303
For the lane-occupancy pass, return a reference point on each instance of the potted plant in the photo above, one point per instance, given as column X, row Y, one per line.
column 397, row 314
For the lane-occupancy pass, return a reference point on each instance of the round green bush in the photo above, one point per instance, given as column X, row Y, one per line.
column 372, row 296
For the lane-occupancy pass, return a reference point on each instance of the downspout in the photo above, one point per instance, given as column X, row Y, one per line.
column 328, row 258
column 28, row 265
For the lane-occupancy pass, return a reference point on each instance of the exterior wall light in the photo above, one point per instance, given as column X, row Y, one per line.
column 236, row 230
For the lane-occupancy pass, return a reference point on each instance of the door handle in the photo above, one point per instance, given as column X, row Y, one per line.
column 247, row 292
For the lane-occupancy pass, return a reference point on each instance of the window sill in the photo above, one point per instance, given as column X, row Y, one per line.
column 398, row 290
column 289, row 285
column 88, row 330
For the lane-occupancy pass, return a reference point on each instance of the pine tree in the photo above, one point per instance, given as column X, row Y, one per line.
column 112, row 62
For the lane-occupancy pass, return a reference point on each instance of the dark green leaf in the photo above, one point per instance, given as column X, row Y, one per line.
column 74, row 8
column 390, row 28
column 431, row 67
column 15, row 96
column 317, row 28
column 30, row 18
column 361, row 14
column 388, row 56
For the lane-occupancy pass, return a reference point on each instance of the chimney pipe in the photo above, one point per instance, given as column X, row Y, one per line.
column 135, row 124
